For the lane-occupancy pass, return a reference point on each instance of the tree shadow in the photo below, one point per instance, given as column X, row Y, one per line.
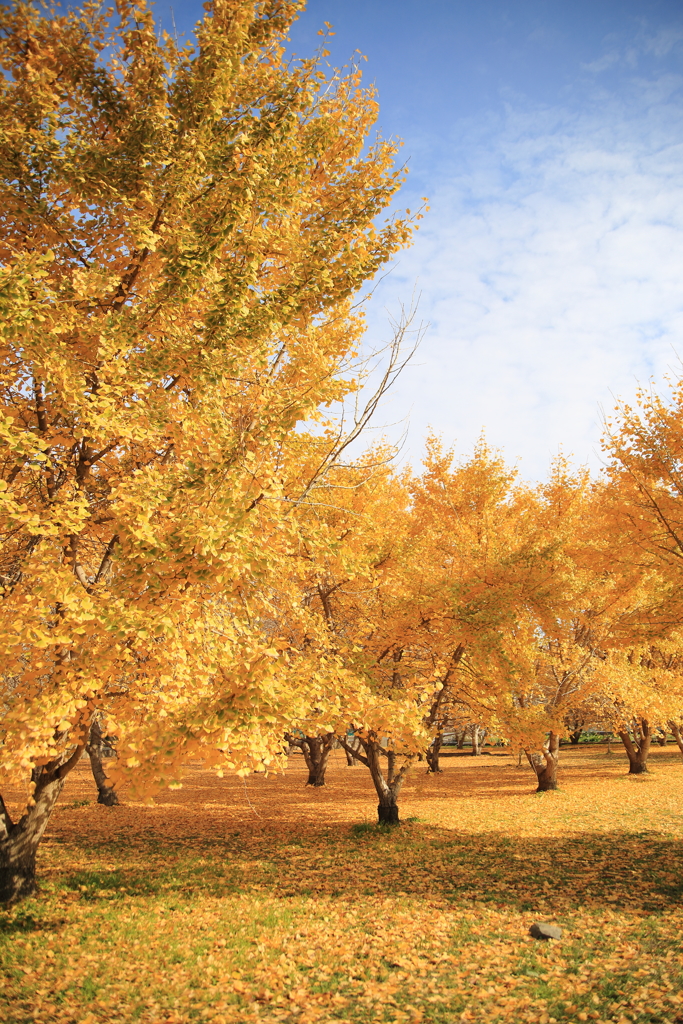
column 21, row 921
column 638, row 872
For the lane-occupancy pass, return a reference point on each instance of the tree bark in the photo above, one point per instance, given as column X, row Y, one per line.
column 478, row 735
column 316, row 751
column 350, row 753
column 105, row 793
column 675, row 730
column 545, row 766
column 432, row 754
column 387, row 784
column 575, row 736
column 19, row 841
column 637, row 742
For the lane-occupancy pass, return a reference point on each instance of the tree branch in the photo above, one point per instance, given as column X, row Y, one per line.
column 352, row 750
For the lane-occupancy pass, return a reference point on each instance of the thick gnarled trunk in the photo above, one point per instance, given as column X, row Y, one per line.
column 19, row 841
column 637, row 742
column 316, row 751
column 105, row 793
column 387, row 783
column 545, row 764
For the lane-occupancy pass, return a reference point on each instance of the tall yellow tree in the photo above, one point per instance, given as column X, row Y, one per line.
column 181, row 234
column 571, row 607
column 644, row 445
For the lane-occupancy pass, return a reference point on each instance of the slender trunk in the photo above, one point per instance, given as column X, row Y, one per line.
column 105, row 793
column 460, row 739
column 545, row 766
column 19, row 841
column 433, row 753
column 637, row 744
column 350, row 752
column 676, row 733
column 478, row 735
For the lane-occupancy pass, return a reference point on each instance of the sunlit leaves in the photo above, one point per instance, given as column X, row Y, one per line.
column 182, row 230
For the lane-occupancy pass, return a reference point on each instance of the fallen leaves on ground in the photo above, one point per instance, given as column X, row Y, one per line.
column 263, row 900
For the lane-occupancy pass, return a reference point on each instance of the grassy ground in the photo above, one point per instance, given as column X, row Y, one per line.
column 265, row 901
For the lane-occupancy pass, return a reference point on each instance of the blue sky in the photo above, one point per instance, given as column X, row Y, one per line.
column 548, row 135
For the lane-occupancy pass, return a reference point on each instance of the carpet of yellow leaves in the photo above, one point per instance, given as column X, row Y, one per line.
column 264, row 901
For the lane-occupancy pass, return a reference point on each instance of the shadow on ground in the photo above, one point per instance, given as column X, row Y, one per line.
column 618, row 871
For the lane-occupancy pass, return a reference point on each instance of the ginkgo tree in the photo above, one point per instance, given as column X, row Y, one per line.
column 644, row 444
column 563, row 644
column 461, row 589
column 355, row 542
column 183, row 229
column 442, row 573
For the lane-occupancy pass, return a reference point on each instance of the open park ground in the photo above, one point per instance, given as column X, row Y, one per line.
column 262, row 900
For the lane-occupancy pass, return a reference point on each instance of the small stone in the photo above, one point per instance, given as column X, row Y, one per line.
column 545, row 931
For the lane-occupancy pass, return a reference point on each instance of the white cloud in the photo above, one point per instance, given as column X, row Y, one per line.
column 603, row 63
column 663, row 42
column 551, row 270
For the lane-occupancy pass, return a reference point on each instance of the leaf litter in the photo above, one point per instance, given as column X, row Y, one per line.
column 268, row 901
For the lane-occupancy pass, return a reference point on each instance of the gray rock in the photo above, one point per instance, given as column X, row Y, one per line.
column 545, row 931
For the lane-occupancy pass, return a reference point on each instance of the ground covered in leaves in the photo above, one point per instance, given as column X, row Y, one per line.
column 265, row 901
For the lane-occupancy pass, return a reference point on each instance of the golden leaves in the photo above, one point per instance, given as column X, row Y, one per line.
column 203, row 224
column 272, row 904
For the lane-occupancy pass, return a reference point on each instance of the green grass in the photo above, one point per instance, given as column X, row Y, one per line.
column 181, row 915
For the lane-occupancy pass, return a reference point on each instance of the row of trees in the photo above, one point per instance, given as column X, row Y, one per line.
column 190, row 562
column 463, row 595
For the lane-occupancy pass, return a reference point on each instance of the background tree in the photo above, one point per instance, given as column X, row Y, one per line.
column 106, row 794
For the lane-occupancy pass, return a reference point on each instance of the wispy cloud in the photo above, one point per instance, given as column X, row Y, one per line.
column 551, row 270
column 662, row 42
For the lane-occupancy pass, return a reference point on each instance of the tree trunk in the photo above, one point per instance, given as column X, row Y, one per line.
column 351, row 759
column 637, row 743
column 387, row 785
column 19, row 841
column 478, row 735
column 460, row 739
column 675, row 730
column 575, row 736
column 545, row 767
column 661, row 737
column 105, row 793
column 316, row 751
column 433, row 751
